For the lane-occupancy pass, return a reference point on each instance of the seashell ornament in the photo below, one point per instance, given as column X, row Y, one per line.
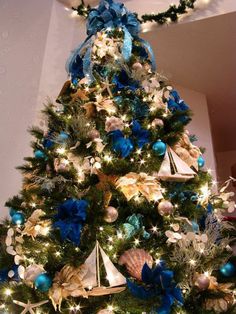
column 134, row 260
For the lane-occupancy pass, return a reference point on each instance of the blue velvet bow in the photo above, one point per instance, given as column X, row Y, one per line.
column 107, row 15
column 133, row 225
column 140, row 135
column 175, row 103
column 122, row 81
column 120, row 144
column 124, row 146
column 70, row 218
column 159, row 282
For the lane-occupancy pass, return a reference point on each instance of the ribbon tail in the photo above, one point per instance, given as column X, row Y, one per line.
column 127, row 47
column 150, row 51
column 74, row 54
column 167, row 302
column 88, row 65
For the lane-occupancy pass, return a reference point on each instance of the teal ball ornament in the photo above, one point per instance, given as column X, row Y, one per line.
column 18, row 218
column 228, row 269
column 201, row 161
column 159, row 148
column 62, row 137
column 39, row 154
column 43, row 282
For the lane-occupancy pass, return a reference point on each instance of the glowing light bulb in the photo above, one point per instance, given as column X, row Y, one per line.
column 138, row 151
column 101, row 228
column 192, row 262
column 61, row 150
column 108, row 158
column 57, row 253
column 110, row 239
column 136, row 241
column 8, row 292
column 157, row 261
column 110, row 308
column 154, row 229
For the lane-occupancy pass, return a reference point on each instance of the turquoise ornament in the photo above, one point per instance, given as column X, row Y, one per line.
column 39, row 154
column 159, row 148
column 134, row 225
column 62, row 137
column 18, row 218
column 201, row 161
column 228, row 270
column 43, row 282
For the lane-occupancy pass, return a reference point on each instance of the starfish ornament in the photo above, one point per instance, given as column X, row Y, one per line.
column 28, row 307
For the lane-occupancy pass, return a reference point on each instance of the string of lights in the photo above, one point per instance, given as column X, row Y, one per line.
column 171, row 14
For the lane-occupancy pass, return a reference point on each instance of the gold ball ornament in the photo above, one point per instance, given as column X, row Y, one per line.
column 111, row 214
column 202, row 282
column 165, row 208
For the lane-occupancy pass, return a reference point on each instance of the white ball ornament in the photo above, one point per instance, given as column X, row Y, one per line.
column 111, row 214
column 165, row 208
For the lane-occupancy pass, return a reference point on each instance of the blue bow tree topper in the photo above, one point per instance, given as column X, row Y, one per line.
column 107, row 16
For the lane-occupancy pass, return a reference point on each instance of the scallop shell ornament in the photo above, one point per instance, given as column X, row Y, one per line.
column 134, row 260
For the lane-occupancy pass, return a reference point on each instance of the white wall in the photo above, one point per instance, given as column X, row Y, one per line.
column 224, row 162
column 35, row 40
column 23, row 31
column 200, row 124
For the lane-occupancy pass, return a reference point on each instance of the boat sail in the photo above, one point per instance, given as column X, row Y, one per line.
column 92, row 279
column 173, row 168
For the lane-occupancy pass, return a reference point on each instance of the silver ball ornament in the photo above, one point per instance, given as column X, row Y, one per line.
column 202, row 282
column 93, row 134
column 165, row 208
column 111, row 214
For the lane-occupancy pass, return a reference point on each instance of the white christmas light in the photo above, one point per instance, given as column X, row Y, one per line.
column 192, row 262
column 61, row 150
column 8, row 292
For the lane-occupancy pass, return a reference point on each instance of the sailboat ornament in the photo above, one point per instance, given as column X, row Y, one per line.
column 92, row 279
column 173, row 168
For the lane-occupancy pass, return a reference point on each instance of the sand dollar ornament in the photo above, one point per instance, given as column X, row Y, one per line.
column 111, row 214
column 165, row 208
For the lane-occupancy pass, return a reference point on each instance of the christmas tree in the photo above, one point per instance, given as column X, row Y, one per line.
column 116, row 213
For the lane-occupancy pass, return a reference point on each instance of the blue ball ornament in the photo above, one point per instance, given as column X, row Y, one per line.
column 43, row 282
column 18, row 218
column 201, row 161
column 228, row 269
column 159, row 148
column 39, row 154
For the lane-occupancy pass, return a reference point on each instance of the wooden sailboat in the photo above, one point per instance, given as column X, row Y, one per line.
column 92, row 280
column 173, row 168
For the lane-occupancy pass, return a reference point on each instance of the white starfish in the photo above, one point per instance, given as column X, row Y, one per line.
column 28, row 307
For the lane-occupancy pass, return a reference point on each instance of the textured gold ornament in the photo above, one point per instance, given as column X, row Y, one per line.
column 67, row 282
column 134, row 184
